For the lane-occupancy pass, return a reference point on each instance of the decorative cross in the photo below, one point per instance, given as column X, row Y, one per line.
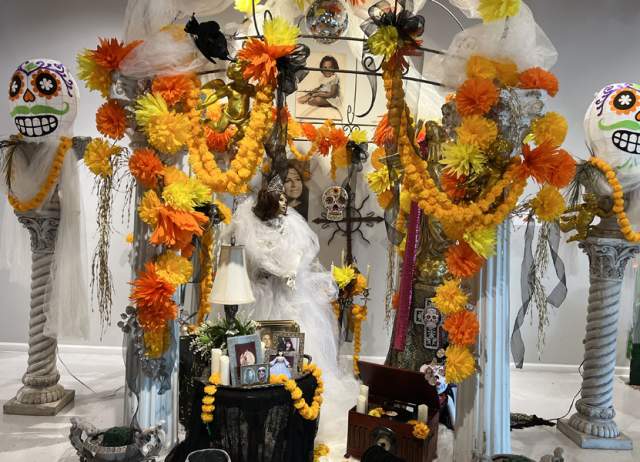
column 429, row 317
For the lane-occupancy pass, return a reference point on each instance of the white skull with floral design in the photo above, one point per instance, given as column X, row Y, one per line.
column 43, row 99
column 612, row 127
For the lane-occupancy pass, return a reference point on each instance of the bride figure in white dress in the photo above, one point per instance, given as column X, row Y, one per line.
column 288, row 282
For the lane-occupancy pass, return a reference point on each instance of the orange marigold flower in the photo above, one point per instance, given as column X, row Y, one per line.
column 259, row 60
column 376, row 155
column 462, row 327
column 462, row 261
column 176, row 228
column 453, row 186
column 217, row 141
column 384, row 132
column 310, row 131
column 152, row 297
column 476, row 96
column 385, row 198
column 145, row 167
column 564, row 169
column 537, row 78
column 538, row 163
column 173, row 88
column 111, row 120
column 337, row 137
column 111, row 52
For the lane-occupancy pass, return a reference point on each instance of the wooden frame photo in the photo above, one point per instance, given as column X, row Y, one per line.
column 244, row 350
column 290, row 342
column 266, row 330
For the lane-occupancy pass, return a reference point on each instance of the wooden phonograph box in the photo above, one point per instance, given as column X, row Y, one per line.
column 398, row 392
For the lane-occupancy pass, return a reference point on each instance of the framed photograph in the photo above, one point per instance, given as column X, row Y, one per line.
column 244, row 350
column 295, row 186
column 321, row 95
column 266, row 329
column 281, row 362
column 258, row 374
column 290, row 342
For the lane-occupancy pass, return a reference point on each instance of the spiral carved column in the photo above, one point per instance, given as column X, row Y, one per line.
column 593, row 427
column 41, row 393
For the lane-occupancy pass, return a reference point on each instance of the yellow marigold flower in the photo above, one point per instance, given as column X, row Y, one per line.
column 280, row 32
column 224, row 211
column 450, row 298
column 168, row 132
column 207, row 408
column 462, row 159
column 200, row 192
column 481, row 68
column 321, row 450
column 206, row 418
column 208, row 400
column 477, row 130
column 358, row 136
column 405, row 201
column 148, row 106
column 548, row 204
column 376, row 412
column 97, row 157
column 507, row 72
column 148, row 208
column 210, row 389
column 492, row 10
column 245, row 6
column 460, row 364
column 420, row 429
column 296, row 394
column 129, row 238
column 551, row 127
column 174, row 268
column 94, row 76
column 482, row 241
column 186, row 195
column 361, row 284
column 384, row 41
column 172, row 175
column 379, row 180
column 343, row 275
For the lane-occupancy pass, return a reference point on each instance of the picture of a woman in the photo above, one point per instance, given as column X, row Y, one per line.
column 295, row 189
column 324, row 98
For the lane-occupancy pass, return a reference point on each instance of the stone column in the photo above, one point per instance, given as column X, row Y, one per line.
column 41, row 393
column 593, row 427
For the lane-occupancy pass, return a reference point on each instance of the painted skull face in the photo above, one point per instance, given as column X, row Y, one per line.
column 612, row 127
column 43, row 99
column 334, row 201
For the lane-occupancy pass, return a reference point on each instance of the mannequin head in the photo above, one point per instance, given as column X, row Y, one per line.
column 270, row 205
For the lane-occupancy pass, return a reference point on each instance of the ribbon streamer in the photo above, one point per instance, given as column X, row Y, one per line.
column 406, row 281
column 527, row 281
column 291, row 69
column 398, row 14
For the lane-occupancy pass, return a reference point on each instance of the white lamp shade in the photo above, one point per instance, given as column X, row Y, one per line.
column 231, row 285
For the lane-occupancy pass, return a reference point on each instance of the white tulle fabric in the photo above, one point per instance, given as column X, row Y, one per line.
column 278, row 252
column 68, row 314
column 518, row 38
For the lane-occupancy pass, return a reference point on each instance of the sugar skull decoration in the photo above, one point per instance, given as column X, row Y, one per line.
column 612, row 128
column 43, row 99
column 334, row 202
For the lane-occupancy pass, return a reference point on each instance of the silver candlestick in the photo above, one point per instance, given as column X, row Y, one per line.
column 41, row 393
column 593, row 427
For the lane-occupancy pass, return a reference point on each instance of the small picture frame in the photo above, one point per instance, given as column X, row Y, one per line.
column 244, row 350
column 285, row 363
column 257, row 374
column 290, row 342
column 266, row 330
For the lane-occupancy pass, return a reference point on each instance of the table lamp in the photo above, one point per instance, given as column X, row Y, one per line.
column 231, row 286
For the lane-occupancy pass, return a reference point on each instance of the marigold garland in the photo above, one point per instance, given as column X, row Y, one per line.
column 359, row 313
column 306, row 411
column 618, row 199
column 52, row 178
column 209, row 398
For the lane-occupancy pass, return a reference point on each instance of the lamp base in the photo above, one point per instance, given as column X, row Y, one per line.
column 230, row 312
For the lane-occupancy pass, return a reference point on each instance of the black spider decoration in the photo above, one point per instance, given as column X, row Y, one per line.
column 208, row 38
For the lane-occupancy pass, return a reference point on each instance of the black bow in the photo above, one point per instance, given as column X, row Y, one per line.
column 208, row 38
column 291, row 69
column 400, row 15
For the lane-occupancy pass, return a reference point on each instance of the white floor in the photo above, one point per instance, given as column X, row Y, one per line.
column 30, row 439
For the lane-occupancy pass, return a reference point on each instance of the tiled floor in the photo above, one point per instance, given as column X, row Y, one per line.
column 30, row 439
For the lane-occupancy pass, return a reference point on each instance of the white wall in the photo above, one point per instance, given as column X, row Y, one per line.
column 596, row 46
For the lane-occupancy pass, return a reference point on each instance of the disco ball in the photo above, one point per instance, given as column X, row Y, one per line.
column 327, row 19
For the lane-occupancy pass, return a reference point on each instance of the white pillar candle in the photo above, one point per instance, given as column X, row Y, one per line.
column 361, row 407
column 423, row 413
column 364, row 391
column 216, row 353
column 224, row 370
